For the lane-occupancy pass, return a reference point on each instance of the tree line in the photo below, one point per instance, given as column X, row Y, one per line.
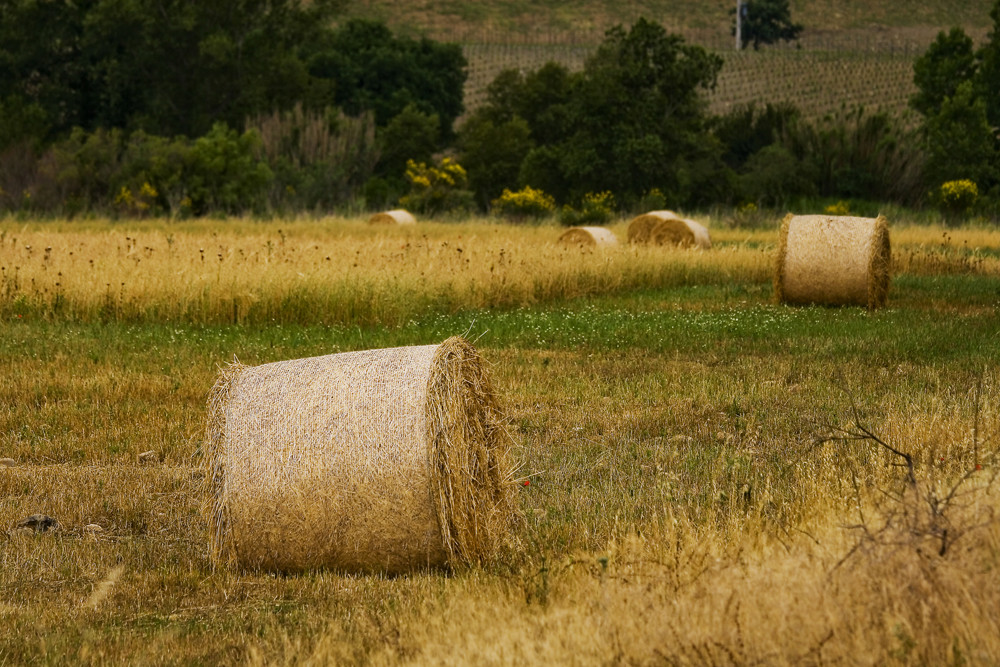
column 171, row 107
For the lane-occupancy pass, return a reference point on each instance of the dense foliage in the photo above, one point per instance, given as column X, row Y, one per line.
column 765, row 22
column 121, row 73
column 162, row 107
column 631, row 121
column 959, row 98
column 372, row 69
column 164, row 66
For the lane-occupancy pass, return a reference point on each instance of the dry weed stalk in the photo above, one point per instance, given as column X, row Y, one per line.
column 920, row 512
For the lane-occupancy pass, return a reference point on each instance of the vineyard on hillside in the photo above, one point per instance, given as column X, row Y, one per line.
column 822, row 73
column 817, row 82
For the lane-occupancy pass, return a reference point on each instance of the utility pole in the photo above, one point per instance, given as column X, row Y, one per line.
column 739, row 24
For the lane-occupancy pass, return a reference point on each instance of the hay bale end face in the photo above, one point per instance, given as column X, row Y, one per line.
column 396, row 217
column 668, row 228
column 833, row 260
column 376, row 461
column 589, row 237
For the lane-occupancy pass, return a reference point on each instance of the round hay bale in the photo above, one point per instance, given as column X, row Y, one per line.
column 667, row 228
column 588, row 236
column 396, row 217
column 833, row 260
column 640, row 227
column 376, row 461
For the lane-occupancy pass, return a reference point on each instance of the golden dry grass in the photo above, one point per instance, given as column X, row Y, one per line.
column 344, row 271
column 333, row 271
column 680, row 509
column 628, row 556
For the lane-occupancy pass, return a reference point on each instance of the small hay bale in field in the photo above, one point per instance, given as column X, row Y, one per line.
column 396, row 217
column 833, row 260
column 588, row 236
column 375, row 461
column 640, row 227
column 667, row 228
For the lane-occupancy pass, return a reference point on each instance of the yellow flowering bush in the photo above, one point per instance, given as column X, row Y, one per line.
column 956, row 198
column 654, row 200
column 840, row 208
column 525, row 203
column 747, row 214
column 436, row 188
column 595, row 208
column 139, row 203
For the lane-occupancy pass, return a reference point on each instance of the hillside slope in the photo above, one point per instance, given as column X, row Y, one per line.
column 850, row 53
column 535, row 20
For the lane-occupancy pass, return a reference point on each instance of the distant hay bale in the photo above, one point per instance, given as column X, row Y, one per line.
column 833, row 260
column 668, row 228
column 396, row 217
column 641, row 227
column 588, row 236
column 376, row 461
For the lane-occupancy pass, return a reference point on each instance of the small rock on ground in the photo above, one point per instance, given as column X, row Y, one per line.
column 7, row 463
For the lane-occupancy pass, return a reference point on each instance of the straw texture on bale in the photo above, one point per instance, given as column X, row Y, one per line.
column 833, row 260
column 396, row 217
column 668, row 228
column 588, row 236
column 376, row 461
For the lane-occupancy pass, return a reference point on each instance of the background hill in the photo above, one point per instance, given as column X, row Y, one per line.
column 531, row 19
column 850, row 52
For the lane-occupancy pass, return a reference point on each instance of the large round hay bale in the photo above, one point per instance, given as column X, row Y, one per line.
column 833, row 260
column 668, row 228
column 588, row 236
column 377, row 461
column 396, row 217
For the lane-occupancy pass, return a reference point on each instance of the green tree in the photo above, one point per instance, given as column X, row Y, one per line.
column 937, row 73
column 224, row 174
column 165, row 66
column 373, row 69
column 747, row 129
column 634, row 121
column 411, row 135
column 987, row 80
column 765, row 22
column 959, row 97
column 772, row 176
column 960, row 142
column 21, row 122
column 492, row 153
column 540, row 98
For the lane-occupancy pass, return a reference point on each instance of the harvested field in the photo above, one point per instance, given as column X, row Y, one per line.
column 693, row 468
